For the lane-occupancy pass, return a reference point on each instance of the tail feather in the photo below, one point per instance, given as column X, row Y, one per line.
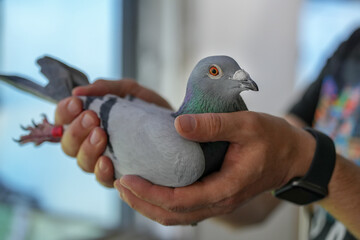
column 62, row 79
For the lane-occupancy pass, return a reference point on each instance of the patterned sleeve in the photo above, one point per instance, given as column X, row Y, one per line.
column 305, row 107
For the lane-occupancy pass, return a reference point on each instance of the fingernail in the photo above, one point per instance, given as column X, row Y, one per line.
column 73, row 107
column 102, row 166
column 95, row 138
column 87, row 121
column 123, row 182
column 187, row 123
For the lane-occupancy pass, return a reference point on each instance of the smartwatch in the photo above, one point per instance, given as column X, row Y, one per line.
column 314, row 185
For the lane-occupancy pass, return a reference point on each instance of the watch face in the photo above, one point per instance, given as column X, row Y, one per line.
column 298, row 194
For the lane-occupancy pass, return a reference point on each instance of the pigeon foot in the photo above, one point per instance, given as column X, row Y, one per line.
column 42, row 132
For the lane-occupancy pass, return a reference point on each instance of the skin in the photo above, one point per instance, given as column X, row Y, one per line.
column 265, row 152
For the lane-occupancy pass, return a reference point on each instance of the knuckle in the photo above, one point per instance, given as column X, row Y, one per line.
column 215, row 125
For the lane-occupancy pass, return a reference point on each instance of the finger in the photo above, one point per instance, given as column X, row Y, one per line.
column 104, row 171
column 212, row 126
column 203, row 193
column 101, row 87
column 77, row 132
column 67, row 110
column 163, row 216
column 121, row 88
column 91, row 149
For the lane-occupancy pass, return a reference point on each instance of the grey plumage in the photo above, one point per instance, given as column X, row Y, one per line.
column 142, row 137
column 62, row 79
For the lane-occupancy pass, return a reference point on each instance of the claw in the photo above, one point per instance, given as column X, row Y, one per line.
column 16, row 140
column 44, row 117
column 23, row 128
column 33, row 122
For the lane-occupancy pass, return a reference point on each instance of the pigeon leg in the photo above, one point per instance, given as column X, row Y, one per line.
column 42, row 132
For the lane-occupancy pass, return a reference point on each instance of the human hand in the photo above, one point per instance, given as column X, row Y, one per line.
column 83, row 138
column 265, row 152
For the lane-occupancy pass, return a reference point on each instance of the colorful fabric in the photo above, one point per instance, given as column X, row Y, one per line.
column 338, row 115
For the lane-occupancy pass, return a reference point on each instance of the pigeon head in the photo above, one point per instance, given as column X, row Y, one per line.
column 215, row 85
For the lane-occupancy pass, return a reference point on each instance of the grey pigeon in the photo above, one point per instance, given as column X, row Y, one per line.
column 142, row 139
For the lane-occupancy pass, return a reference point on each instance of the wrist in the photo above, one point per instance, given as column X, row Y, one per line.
column 301, row 154
column 313, row 186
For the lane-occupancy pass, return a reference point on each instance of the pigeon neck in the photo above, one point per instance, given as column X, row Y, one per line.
column 203, row 103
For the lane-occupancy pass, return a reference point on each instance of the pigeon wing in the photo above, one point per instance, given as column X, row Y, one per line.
column 27, row 85
column 62, row 79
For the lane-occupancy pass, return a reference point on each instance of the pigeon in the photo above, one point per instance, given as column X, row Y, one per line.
column 142, row 139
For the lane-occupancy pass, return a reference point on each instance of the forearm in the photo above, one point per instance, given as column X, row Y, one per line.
column 344, row 195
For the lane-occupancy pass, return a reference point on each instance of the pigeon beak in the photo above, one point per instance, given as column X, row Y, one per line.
column 245, row 80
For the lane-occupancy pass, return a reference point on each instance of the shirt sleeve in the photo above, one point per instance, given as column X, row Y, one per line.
column 305, row 107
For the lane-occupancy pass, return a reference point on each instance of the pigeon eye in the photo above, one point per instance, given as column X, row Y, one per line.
column 214, row 71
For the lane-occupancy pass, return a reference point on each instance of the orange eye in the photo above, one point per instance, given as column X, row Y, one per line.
column 214, row 71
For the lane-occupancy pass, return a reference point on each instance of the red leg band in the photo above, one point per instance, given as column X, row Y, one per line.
column 57, row 131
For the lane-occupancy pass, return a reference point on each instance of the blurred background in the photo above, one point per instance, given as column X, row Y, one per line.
column 44, row 195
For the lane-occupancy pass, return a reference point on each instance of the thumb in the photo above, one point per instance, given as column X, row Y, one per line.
column 208, row 127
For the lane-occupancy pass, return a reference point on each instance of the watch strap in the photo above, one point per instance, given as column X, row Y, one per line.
column 314, row 185
column 323, row 163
